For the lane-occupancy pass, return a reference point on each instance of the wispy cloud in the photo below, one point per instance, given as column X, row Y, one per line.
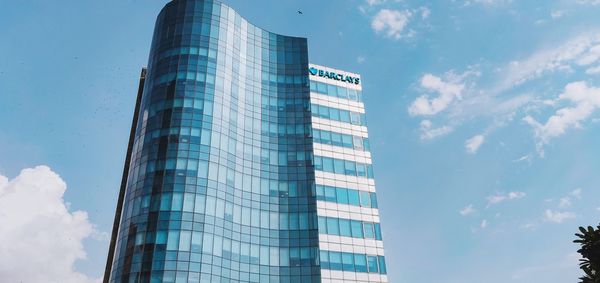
column 484, row 224
column 472, row 145
column 585, row 100
column 428, row 131
column 558, row 217
column 467, row 210
column 454, row 100
column 498, row 198
column 392, row 23
column 447, row 90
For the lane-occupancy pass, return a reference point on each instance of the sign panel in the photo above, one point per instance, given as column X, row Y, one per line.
column 334, row 76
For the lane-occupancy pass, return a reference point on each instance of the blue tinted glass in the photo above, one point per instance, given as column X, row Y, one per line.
column 365, row 199
column 333, row 227
column 353, row 197
column 342, row 196
column 372, row 264
column 378, row 231
column 348, row 261
column 357, row 229
column 360, row 263
column 382, row 268
column 345, row 229
column 335, row 260
column 369, row 233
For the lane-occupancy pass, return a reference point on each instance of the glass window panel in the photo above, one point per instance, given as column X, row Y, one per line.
column 334, row 114
column 332, row 90
column 350, row 168
column 333, row 226
column 382, row 267
column 357, row 229
column 342, row 196
column 177, row 204
column 185, row 240
column 321, row 87
column 335, row 260
column 324, row 256
column 330, row 194
column 353, row 197
column 326, row 137
column 345, row 116
column 345, row 229
column 161, row 237
column 173, row 240
column 336, row 139
column 360, row 263
column 322, row 225
column 378, row 231
column 338, row 166
column 373, row 200
column 348, row 261
column 347, row 141
column 372, row 264
column 327, row 164
column 361, row 170
column 197, row 242
column 365, row 199
column 369, row 233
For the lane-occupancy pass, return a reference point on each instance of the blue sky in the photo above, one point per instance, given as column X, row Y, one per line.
column 484, row 119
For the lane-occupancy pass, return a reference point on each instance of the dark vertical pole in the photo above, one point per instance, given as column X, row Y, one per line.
column 119, row 210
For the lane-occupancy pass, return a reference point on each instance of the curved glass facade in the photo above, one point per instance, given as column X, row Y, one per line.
column 221, row 183
column 245, row 162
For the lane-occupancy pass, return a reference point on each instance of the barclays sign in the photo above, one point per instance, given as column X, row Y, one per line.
column 334, row 76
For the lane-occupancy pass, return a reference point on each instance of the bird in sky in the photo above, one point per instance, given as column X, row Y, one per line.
column 300, row 12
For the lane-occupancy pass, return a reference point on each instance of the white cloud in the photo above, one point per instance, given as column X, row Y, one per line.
column 375, row 2
column 40, row 240
column 589, row 2
column 558, row 217
column 487, row 2
column 586, row 100
column 467, row 210
column 472, row 145
column 576, row 193
column 425, row 12
column 557, row 14
column 564, row 202
column 391, row 22
column 429, row 132
column 578, row 51
column 447, row 91
column 497, row 198
column 484, row 224
column 593, row 70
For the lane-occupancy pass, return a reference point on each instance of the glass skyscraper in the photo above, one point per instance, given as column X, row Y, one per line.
column 245, row 162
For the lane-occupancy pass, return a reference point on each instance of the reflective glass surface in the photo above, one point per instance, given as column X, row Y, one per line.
column 221, row 184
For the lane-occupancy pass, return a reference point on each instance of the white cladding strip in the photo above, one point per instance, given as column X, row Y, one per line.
column 342, row 152
column 338, row 103
column 350, row 245
column 347, row 215
column 354, row 212
column 320, row 180
column 335, row 82
column 337, row 276
column 339, row 127
column 345, row 178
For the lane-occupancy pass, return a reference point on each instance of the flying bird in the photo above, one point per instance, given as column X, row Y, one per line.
column 300, row 12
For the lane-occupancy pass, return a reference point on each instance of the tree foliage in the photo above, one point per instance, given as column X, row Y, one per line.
column 589, row 239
